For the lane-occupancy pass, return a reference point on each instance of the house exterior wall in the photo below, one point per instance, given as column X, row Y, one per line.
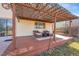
column 4, row 13
column 75, row 23
column 26, row 27
column 60, row 24
column 74, row 27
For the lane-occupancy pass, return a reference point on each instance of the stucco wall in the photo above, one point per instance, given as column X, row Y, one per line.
column 26, row 27
column 4, row 13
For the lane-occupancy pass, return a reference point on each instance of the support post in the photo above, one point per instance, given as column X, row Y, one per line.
column 14, row 25
column 70, row 22
column 54, row 32
column 66, row 28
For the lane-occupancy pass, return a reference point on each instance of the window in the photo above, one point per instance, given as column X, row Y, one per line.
column 5, row 27
column 39, row 25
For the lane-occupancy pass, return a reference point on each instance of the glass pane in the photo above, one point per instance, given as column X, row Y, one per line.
column 39, row 25
column 2, row 27
column 5, row 27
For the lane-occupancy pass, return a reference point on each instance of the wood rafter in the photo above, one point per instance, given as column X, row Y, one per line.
column 47, row 11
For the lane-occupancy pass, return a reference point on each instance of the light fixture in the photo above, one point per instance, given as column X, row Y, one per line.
column 6, row 5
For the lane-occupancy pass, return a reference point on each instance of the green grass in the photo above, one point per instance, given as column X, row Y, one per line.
column 64, row 50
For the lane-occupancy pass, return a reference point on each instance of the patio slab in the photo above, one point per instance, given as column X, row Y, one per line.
column 5, row 38
column 4, row 44
column 32, row 46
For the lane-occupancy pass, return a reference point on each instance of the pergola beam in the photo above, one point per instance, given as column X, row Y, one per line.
column 48, row 11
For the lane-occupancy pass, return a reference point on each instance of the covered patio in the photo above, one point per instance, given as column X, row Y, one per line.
column 45, row 12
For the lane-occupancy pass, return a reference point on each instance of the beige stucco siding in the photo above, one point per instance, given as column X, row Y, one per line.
column 4, row 13
column 49, row 27
column 26, row 27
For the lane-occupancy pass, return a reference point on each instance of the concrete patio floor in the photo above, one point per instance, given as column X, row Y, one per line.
column 30, row 46
column 4, row 44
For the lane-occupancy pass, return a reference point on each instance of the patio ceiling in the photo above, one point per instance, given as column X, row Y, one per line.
column 43, row 12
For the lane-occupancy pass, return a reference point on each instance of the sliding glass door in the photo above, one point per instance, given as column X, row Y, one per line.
column 5, row 27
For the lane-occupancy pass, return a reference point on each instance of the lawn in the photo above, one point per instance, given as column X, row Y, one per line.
column 68, row 49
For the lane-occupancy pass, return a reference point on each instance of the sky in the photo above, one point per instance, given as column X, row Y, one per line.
column 72, row 7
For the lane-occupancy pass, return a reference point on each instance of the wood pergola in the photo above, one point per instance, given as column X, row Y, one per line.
column 45, row 12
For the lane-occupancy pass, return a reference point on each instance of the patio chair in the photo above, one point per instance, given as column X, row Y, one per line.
column 45, row 33
column 36, row 33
